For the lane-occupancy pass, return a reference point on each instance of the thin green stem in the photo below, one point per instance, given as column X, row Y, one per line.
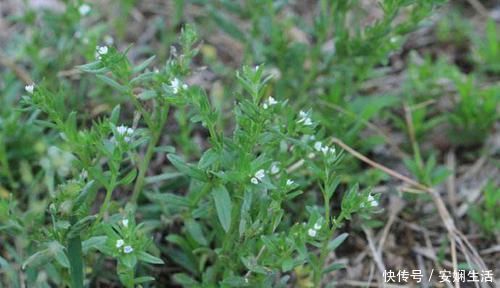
column 318, row 269
column 107, row 199
column 156, row 133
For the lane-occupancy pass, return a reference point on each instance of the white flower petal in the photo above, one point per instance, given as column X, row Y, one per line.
column 311, row 232
column 317, row 146
column 102, row 50
column 128, row 249
column 29, row 88
column 260, row 174
column 324, row 149
column 272, row 101
column 84, row 9
column 119, row 243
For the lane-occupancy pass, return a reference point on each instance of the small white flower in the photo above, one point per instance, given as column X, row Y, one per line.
column 119, row 243
column 317, row 146
column 128, row 249
column 29, row 88
column 304, row 118
column 324, row 149
column 269, row 102
column 372, row 201
column 177, row 86
column 126, row 132
column 84, row 9
column 84, row 174
column 311, row 232
column 272, row 101
column 260, row 174
column 332, row 150
column 121, row 129
column 275, row 169
column 101, row 50
column 317, row 226
column 289, row 182
column 125, row 222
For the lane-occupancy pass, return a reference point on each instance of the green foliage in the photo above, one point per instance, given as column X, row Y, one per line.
column 475, row 113
column 243, row 181
column 240, row 184
column 486, row 213
column 487, row 49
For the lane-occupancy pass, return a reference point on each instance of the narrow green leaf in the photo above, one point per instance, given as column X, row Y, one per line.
column 112, row 83
column 333, row 267
column 143, row 65
column 37, row 259
column 148, row 258
column 83, row 196
column 332, row 245
column 129, row 177
column 115, row 114
column 75, row 258
column 187, row 169
column 61, row 258
column 147, row 94
column 185, row 280
column 81, row 225
column 194, row 229
column 169, row 199
column 93, row 67
column 143, row 279
column 95, row 242
column 223, row 206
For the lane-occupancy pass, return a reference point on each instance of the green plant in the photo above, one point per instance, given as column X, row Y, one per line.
column 105, row 154
column 487, row 49
column 241, row 178
column 245, row 180
column 475, row 113
column 206, row 179
column 486, row 214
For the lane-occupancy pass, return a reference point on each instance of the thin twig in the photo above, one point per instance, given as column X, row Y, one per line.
column 370, row 125
column 451, row 181
column 453, row 249
column 376, row 255
column 479, row 8
column 379, row 166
